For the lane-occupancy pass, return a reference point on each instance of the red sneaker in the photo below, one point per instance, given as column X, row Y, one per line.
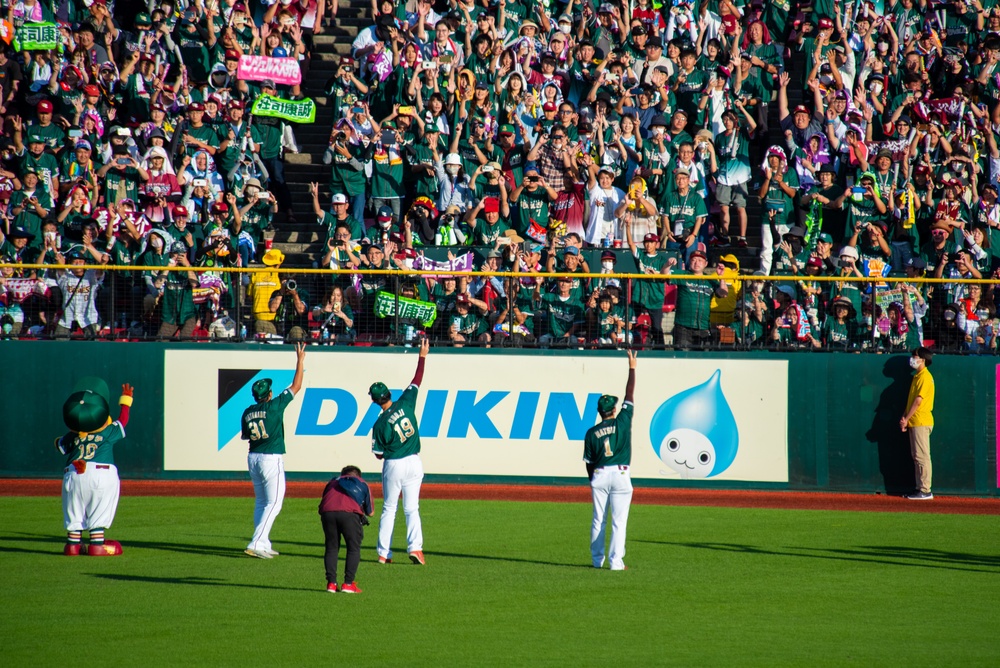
column 110, row 548
column 72, row 549
column 350, row 588
column 418, row 558
column 331, row 587
column 384, row 560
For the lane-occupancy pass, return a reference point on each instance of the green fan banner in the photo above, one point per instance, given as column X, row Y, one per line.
column 296, row 111
column 36, row 37
column 410, row 309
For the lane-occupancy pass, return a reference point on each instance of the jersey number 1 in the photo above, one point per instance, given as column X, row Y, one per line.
column 257, row 430
column 607, row 448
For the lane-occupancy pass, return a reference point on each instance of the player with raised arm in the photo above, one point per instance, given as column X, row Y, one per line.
column 263, row 424
column 396, row 441
column 607, row 450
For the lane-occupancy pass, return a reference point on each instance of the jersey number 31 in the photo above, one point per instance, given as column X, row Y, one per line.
column 257, row 430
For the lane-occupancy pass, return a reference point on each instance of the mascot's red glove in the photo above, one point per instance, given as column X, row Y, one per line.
column 125, row 401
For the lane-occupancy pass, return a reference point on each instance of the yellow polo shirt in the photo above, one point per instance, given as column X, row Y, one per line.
column 922, row 385
column 262, row 284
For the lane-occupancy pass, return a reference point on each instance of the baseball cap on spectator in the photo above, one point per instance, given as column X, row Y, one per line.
column 44, row 107
column 609, row 255
column 824, row 238
column 240, row 7
column 196, row 106
column 814, row 262
column 787, row 290
column 651, row 237
column 462, row 298
column 370, row 247
column 801, row 109
column 91, row 90
column 142, row 19
column 549, row 106
column 572, row 250
column 494, row 254
column 916, row 263
column 606, row 8
column 548, row 55
column 638, row 31
column 384, row 213
column 178, row 247
column 506, row 129
column 35, row 138
column 607, row 170
column 84, row 144
column 884, row 153
column 514, row 237
column 682, row 170
column 220, row 207
column 825, row 23
column 491, row 205
column 267, row 83
column 339, row 198
column 849, row 252
column 232, row 54
column 180, row 211
column 654, row 42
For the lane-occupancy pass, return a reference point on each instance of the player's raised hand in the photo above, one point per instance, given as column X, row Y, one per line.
column 300, row 351
column 632, row 356
column 425, row 346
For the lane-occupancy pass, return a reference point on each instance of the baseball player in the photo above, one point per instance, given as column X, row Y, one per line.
column 396, row 441
column 263, row 424
column 90, row 483
column 607, row 450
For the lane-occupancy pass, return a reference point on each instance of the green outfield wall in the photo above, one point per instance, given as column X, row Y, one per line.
column 808, row 421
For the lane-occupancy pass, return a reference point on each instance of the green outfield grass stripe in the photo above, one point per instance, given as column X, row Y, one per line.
column 506, row 584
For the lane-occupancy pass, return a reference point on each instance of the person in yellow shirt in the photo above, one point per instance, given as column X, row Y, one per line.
column 262, row 286
column 723, row 309
column 918, row 421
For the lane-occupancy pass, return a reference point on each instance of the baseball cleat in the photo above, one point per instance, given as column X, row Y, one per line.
column 418, row 558
column 260, row 554
column 384, row 560
column 72, row 549
column 273, row 553
column 109, row 548
column 331, row 587
column 350, row 588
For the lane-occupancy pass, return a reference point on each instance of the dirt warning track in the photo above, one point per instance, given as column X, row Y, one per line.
column 568, row 494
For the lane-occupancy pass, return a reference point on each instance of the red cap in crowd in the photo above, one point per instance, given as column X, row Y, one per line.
column 180, row 212
column 44, row 107
column 491, row 205
column 655, row 238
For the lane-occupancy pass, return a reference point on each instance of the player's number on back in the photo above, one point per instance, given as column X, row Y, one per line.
column 257, row 430
column 404, row 429
column 87, row 450
column 607, row 448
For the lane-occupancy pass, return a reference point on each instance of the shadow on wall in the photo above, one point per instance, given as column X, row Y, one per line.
column 894, row 460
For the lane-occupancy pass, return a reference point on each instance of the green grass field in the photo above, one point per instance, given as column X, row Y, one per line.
column 506, row 584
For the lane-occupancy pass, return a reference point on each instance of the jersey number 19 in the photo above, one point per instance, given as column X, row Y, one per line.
column 404, row 429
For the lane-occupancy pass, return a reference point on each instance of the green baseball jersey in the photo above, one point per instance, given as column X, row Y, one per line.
column 96, row 447
column 649, row 293
column 694, row 299
column 263, row 424
column 563, row 313
column 609, row 443
column 395, row 433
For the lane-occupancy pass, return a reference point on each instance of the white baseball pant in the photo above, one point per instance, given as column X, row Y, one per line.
column 404, row 475
column 611, row 484
column 268, row 475
column 90, row 499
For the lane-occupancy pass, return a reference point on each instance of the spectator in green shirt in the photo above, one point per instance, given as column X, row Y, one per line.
column 694, row 304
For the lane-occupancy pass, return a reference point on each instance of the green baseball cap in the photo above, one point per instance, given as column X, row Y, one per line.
column 825, row 238
column 142, row 19
column 88, row 407
column 607, row 403
column 379, row 392
column 35, row 138
column 507, row 129
column 261, row 388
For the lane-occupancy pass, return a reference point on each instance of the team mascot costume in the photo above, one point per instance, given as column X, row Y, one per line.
column 90, row 485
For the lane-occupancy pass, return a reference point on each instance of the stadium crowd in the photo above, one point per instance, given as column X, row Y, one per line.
column 516, row 136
